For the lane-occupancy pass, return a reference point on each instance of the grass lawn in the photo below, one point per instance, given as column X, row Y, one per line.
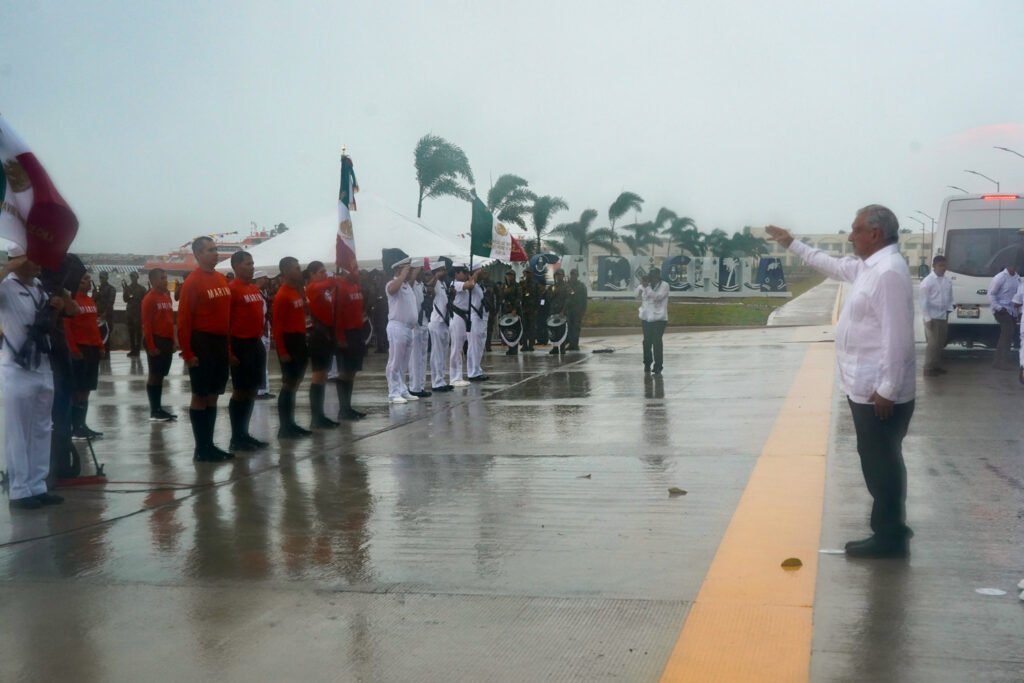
column 743, row 311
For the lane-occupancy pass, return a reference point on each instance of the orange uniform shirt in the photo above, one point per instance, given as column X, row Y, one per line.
column 157, row 317
column 83, row 328
column 246, row 310
column 289, row 315
column 348, row 306
column 204, row 306
column 320, row 296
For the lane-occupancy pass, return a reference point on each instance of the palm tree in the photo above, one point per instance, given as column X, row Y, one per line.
column 717, row 242
column 578, row 234
column 624, row 203
column 442, row 170
column 677, row 231
column 645, row 236
column 543, row 208
column 745, row 244
column 693, row 241
column 510, row 200
column 556, row 246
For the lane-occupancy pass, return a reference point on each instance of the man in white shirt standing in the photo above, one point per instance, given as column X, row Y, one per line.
column 875, row 358
column 478, row 317
column 1000, row 296
column 936, row 303
column 459, row 326
column 401, row 322
column 27, row 380
column 420, row 336
column 438, row 327
column 653, row 293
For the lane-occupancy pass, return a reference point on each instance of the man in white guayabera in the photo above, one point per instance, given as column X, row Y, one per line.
column 875, row 355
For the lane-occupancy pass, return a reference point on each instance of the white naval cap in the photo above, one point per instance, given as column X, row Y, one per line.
column 15, row 250
column 416, row 262
column 437, row 265
column 459, row 265
column 259, row 273
column 402, row 262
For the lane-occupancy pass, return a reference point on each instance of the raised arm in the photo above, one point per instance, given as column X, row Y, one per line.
column 838, row 268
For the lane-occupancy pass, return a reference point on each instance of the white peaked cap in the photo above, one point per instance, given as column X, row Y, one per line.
column 416, row 262
column 15, row 250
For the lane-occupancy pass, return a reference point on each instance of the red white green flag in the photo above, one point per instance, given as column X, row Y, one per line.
column 32, row 212
column 345, row 246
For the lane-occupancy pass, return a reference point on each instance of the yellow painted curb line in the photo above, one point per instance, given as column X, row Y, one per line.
column 838, row 305
column 752, row 619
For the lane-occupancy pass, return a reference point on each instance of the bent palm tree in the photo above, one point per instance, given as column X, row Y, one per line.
column 541, row 212
column 442, row 170
column 510, row 200
column 677, row 232
column 624, row 203
column 579, row 235
column 645, row 236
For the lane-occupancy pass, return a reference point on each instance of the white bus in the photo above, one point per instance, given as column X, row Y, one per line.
column 979, row 234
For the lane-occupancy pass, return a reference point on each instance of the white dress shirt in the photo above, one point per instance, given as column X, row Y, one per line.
column 875, row 333
column 18, row 306
column 1001, row 291
column 440, row 312
column 402, row 306
column 655, row 301
column 936, row 297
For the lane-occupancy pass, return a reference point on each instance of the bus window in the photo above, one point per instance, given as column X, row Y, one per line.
column 984, row 252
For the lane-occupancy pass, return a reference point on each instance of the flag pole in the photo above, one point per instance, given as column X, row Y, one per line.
column 337, row 266
column 472, row 191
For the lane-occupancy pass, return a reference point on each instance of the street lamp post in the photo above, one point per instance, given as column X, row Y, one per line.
column 1007, row 149
column 954, row 187
column 932, row 245
column 923, row 265
column 992, row 180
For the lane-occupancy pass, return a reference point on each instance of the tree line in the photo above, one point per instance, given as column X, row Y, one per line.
column 443, row 170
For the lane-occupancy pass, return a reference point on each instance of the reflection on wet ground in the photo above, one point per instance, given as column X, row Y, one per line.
column 516, row 530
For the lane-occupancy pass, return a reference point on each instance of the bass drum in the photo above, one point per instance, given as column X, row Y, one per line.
column 510, row 327
column 558, row 329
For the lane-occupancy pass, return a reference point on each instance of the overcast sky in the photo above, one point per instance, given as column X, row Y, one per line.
column 161, row 121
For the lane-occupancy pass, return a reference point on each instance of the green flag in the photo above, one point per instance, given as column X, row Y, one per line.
column 489, row 238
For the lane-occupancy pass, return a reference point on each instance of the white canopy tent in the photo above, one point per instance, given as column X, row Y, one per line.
column 376, row 226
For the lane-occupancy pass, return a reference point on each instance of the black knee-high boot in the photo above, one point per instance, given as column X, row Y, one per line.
column 283, row 421
column 316, row 401
column 153, row 392
column 344, row 387
column 197, row 418
column 236, row 415
column 211, row 423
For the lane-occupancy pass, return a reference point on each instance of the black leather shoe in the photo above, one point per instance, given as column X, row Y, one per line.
column 240, row 444
column 226, row 455
column 254, row 442
column 647, row 369
column 421, row 394
column 205, row 454
column 292, row 432
column 350, row 415
column 446, row 387
column 323, row 422
column 511, row 352
column 478, row 378
column 50, row 498
column 31, row 503
column 656, row 371
column 878, row 548
column 553, row 352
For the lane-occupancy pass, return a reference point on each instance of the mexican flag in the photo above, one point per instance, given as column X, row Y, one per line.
column 489, row 237
column 32, row 212
column 345, row 245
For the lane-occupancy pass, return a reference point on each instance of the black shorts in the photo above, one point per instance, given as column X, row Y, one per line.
column 294, row 346
column 85, row 372
column 252, row 363
column 321, row 348
column 211, row 375
column 350, row 356
column 161, row 365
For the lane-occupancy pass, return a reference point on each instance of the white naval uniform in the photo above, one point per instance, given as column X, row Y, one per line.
column 478, row 332
column 457, row 330
column 28, row 394
column 401, row 321
column 439, row 335
column 418, row 348
column 265, row 389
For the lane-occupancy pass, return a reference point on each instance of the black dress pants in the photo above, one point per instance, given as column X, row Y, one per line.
column 880, row 446
column 653, row 332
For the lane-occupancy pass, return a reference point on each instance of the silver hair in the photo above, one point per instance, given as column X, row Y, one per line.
column 878, row 216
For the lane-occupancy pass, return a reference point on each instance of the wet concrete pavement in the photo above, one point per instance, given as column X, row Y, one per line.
column 516, row 530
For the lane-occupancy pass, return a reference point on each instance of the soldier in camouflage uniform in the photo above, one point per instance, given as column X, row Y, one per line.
column 509, row 304
column 529, row 302
column 574, row 310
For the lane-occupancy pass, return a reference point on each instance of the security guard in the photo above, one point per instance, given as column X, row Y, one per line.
column 574, row 309
column 105, row 295
column 557, row 296
column 529, row 302
column 509, row 303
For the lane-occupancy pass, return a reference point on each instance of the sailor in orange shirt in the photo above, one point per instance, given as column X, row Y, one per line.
column 348, row 331
column 289, row 327
column 158, row 336
column 322, row 342
column 204, row 313
column 248, row 355
column 86, row 345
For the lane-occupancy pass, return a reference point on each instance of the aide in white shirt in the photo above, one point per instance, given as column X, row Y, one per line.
column 936, row 303
column 1000, row 296
column 875, row 355
column 653, row 294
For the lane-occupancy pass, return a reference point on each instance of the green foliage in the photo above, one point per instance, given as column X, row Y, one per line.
column 510, row 200
column 643, row 237
column 442, row 170
column 541, row 212
column 624, row 203
column 578, row 234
